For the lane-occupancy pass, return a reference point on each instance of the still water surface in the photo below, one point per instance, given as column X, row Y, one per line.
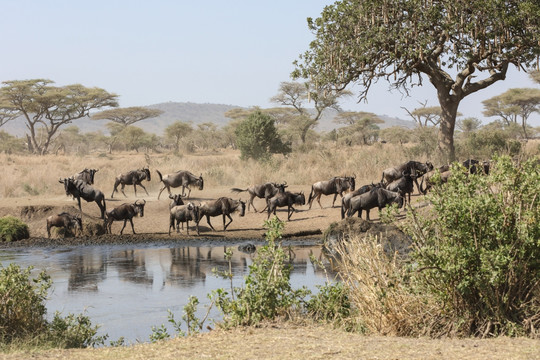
column 127, row 289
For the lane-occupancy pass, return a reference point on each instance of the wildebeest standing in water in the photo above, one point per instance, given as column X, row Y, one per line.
column 133, row 177
column 285, row 199
column 263, row 191
column 79, row 189
column 223, row 206
column 334, row 186
column 180, row 178
column 124, row 212
column 64, row 220
column 376, row 197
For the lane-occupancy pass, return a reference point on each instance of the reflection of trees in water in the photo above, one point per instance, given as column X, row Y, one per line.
column 86, row 270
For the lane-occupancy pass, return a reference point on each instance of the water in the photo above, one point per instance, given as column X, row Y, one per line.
column 127, row 289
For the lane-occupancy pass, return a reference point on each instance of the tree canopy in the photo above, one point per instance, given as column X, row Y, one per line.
column 127, row 116
column 460, row 46
column 46, row 108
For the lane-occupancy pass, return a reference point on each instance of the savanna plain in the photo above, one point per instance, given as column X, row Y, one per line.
column 30, row 190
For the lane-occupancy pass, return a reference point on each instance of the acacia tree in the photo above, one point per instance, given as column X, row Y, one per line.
column 514, row 104
column 358, row 125
column 127, row 116
column 460, row 46
column 177, row 131
column 295, row 94
column 46, row 108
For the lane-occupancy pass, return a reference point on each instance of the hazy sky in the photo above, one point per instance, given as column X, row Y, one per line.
column 232, row 52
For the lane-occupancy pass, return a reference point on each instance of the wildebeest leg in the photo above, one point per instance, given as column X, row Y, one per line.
column 367, row 214
column 319, row 200
column 230, row 221
column 252, row 196
column 116, row 183
column 121, row 231
column 335, row 196
column 163, row 188
column 122, row 189
column 48, row 230
column 290, row 211
column 132, row 228
column 208, row 221
column 141, row 185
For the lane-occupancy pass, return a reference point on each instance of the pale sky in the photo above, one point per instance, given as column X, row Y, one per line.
column 233, row 52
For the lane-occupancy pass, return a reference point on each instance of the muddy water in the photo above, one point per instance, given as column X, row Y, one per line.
column 127, row 289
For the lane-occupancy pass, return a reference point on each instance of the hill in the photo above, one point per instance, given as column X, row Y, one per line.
column 190, row 112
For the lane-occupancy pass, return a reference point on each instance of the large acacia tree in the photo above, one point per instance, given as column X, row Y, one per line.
column 46, row 108
column 460, row 46
column 127, row 116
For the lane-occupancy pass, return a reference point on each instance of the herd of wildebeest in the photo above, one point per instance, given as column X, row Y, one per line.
column 395, row 186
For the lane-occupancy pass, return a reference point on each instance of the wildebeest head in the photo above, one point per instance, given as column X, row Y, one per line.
column 176, row 199
column 242, row 207
column 139, row 206
column 200, row 182
column 147, row 172
column 300, row 198
column 66, row 182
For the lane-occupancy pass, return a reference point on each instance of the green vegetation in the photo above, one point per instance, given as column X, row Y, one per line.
column 13, row 229
column 23, row 322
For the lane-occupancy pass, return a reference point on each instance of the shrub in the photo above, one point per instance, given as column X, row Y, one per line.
column 478, row 253
column 13, row 229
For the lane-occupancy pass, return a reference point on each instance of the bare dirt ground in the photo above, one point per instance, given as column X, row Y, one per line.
column 291, row 341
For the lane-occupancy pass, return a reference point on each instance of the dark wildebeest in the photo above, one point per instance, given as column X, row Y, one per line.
column 405, row 184
column 79, row 189
column 180, row 178
column 124, row 212
column 377, row 197
column 288, row 199
column 86, row 175
column 223, row 206
column 133, row 177
column 346, row 199
column 183, row 214
column 412, row 167
column 64, row 220
column 335, row 186
column 264, row 191
column 176, row 200
column 475, row 166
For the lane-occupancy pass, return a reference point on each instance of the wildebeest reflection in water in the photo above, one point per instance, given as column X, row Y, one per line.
column 128, row 289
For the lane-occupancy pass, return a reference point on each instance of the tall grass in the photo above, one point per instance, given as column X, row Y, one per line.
column 37, row 176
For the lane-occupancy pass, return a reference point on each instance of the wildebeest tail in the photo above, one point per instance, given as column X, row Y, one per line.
column 310, row 195
column 160, row 176
column 237, row 190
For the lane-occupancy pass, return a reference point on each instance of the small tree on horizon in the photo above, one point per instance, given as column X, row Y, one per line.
column 127, row 116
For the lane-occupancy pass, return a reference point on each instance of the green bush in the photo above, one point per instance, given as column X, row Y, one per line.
column 478, row 252
column 23, row 314
column 13, row 229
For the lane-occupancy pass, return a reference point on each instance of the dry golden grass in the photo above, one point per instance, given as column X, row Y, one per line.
column 37, row 176
column 290, row 341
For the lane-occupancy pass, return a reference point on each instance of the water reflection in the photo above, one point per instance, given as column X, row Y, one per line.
column 128, row 289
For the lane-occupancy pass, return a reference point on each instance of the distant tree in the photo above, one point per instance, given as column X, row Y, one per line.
column 361, row 127
column 514, row 104
column 177, row 131
column 7, row 113
column 257, row 137
column 535, row 76
column 10, row 144
column 468, row 125
column 295, row 94
column 133, row 137
column 395, row 135
column 461, row 46
column 127, row 116
column 47, row 108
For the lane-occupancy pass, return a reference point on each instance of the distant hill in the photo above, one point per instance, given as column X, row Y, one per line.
column 190, row 112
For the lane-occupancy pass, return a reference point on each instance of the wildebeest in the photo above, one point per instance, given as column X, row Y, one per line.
column 377, row 197
column 288, row 199
column 475, row 166
column 346, row 199
column 180, row 178
column 445, row 175
column 86, row 175
column 133, row 177
column 176, row 199
column 405, row 184
column 64, row 220
column 124, row 212
column 412, row 167
column 264, row 191
column 335, row 186
column 184, row 213
column 223, row 206
column 427, row 177
column 79, row 189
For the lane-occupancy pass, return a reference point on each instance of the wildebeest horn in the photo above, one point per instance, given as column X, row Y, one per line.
column 354, row 176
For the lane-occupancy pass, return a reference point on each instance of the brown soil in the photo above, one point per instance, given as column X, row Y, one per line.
column 154, row 225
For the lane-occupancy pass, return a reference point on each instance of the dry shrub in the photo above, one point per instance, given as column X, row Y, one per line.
column 380, row 290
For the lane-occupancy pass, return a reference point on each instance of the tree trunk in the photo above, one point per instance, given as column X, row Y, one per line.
column 445, row 147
